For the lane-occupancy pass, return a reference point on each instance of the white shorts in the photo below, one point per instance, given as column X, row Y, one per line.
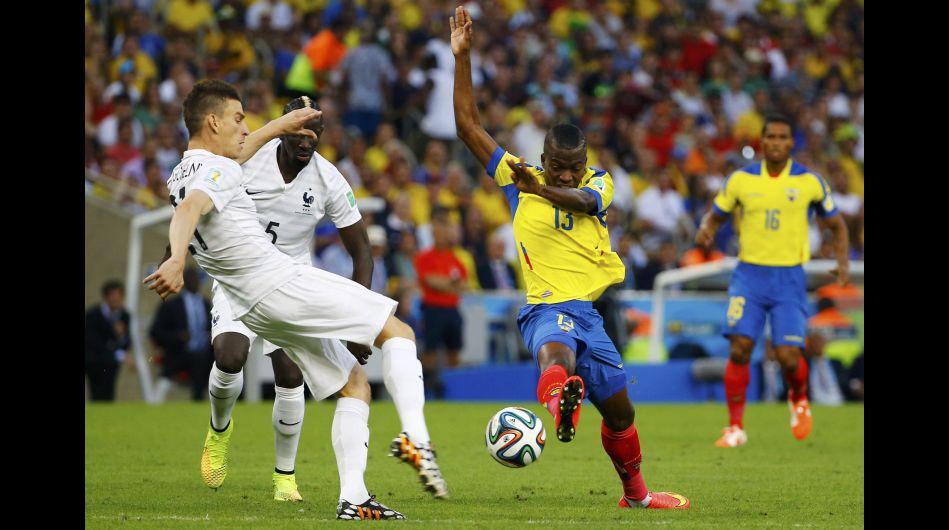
column 325, row 368
column 319, row 305
column 222, row 321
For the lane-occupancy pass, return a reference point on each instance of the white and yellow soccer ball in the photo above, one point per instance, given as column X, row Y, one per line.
column 515, row 437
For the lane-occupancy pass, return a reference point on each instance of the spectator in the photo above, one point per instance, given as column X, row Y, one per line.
column 122, row 151
column 141, row 64
column 108, row 130
column 107, row 338
column 442, row 278
column 661, row 210
column 325, row 50
column 493, row 272
column 529, row 136
column 663, row 260
column 230, row 52
column 188, row 16
column 276, row 15
column 367, row 74
column 182, row 329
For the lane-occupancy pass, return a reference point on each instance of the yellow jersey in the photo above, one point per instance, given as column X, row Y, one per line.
column 564, row 255
column 774, row 212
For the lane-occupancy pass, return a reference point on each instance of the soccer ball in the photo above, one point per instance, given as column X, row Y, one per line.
column 515, row 437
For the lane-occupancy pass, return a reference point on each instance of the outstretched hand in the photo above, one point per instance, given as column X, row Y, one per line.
column 523, row 179
column 461, row 31
column 168, row 279
column 294, row 122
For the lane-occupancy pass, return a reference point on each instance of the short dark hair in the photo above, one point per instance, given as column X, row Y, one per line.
column 300, row 103
column 777, row 118
column 110, row 286
column 565, row 136
column 207, row 96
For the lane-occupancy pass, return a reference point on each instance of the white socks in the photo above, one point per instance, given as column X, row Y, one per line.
column 402, row 373
column 351, row 445
column 223, row 389
column 288, row 407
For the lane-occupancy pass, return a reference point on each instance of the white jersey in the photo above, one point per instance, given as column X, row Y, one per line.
column 290, row 212
column 229, row 243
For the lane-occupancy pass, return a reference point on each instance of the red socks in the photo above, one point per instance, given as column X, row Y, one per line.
column 623, row 448
column 797, row 381
column 549, row 387
column 736, row 384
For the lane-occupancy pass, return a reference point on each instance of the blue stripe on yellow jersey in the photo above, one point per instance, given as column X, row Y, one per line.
column 774, row 211
column 564, row 255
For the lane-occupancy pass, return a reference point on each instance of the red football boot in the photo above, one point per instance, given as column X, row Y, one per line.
column 659, row 500
column 568, row 413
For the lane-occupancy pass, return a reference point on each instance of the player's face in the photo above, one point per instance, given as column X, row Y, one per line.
column 299, row 147
column 777, row 142
column 233, row 129
column 563, row 168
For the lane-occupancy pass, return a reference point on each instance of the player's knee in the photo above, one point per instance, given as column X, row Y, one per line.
column 357, row 387
column 788, row 356
column 394, row 328
column 740, row 350
column 286, row 373
column 619, row 419
column 230, row 355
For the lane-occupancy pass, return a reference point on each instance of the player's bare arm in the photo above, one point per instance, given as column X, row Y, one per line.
column 841, row 248
column 711, row 222
column 356, row 240
column 572, row 199
column 168, row 279
column 290, row 123
column 467, row 117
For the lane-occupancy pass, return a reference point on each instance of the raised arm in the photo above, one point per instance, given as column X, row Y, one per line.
column 168, row 278
column 290, row 123
column 467, row 118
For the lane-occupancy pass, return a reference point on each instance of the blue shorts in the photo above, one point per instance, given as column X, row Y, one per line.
column 576, row 324
column 759, row 290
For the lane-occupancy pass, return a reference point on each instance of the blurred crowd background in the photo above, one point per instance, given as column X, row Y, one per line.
column 671, row 95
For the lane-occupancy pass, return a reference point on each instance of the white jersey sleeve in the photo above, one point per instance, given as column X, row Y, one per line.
column 339, row 200
column 220, row 180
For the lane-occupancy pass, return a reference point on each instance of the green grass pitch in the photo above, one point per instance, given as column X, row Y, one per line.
column 142, row 471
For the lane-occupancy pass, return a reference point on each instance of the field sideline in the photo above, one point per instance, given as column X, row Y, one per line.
column 141, row 469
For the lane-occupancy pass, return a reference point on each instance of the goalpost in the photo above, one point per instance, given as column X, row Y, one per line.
column 671, row 277
column 133, row 286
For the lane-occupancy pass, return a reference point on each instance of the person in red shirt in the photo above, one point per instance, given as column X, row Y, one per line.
column 442, row 278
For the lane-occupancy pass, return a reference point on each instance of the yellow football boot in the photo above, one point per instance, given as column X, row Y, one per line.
column 285, row 488
column 214, row 457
